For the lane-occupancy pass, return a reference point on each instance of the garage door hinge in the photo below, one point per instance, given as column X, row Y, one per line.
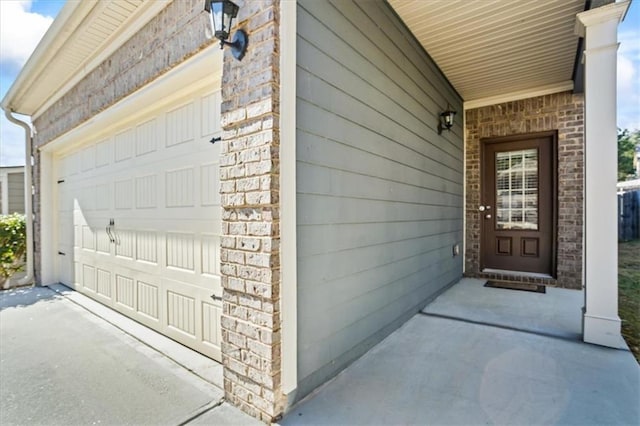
column 61, row 180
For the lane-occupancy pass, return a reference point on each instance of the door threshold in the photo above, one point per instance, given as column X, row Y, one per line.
column 516, row 273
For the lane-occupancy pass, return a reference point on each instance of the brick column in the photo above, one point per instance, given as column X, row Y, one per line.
column 250, row 254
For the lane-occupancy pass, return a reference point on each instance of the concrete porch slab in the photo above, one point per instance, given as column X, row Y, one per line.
column 479, row 355
column 558, row 312
column 441, row 371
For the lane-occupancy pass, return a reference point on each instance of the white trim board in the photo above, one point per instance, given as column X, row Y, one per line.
column 522, row 94
column 288, row 223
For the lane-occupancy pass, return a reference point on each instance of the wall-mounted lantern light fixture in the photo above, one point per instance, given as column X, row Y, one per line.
column 446, row 119
column 222, row 13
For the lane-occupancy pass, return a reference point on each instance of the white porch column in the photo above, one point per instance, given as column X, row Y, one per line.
column 601, row 324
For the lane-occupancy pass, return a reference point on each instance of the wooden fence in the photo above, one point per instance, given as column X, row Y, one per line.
column 629, row 215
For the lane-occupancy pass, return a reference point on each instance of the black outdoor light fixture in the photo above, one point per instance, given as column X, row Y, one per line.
column 446, row 119
column 222, row 13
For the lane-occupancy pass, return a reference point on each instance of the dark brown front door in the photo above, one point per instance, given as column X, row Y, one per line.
column 517, row 214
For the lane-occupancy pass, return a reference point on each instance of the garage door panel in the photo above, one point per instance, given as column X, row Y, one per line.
column 193, row 316
column 210, row 257
column 210, row 184
column 103, row 243
column 181, row 313
column 88, row 238
column 158, row 181
column 180, row 125
column 103, row 283
column 211, row 330
column 88, row 279
column 147, row 137
column 126, row 295
column 210, row 110
column 149, row 303
column 147, row 246
column 124, row 142
column 65, row 266
column 104, row 153
column 123, row 190
column 180, row 251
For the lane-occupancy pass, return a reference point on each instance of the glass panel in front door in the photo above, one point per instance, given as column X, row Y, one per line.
column 517, row 189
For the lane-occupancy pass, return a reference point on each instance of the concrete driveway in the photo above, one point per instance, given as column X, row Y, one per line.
column 61, row 364
column 483, row 356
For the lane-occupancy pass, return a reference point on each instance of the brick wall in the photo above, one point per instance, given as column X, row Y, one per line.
column 563, row 112
column 176, row 33
column 249, row 176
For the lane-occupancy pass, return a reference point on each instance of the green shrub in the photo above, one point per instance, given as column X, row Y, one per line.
column 13, row 244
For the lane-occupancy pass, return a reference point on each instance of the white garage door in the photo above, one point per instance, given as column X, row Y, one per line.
column 139, row 221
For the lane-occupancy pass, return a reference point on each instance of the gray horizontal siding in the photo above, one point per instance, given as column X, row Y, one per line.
column 379, row 199
column 15, row 192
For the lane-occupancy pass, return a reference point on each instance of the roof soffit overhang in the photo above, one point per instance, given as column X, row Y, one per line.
column 493, row 48
column 83, row 35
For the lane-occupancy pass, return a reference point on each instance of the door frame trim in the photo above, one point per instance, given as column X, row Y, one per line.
column 553, row 136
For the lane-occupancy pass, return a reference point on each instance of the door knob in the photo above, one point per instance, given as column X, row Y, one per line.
column 488, row 216
column 483, row 208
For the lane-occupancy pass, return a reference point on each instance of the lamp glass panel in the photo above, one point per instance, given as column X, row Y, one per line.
column 448, row 118
column 216, row 18
column 230, row 11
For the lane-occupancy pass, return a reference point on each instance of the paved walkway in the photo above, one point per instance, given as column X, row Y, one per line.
column 61, row 364
column 477, row 367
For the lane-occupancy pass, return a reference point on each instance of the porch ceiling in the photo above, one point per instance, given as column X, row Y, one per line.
column 492, row 48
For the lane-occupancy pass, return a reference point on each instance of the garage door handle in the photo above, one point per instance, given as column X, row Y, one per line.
column 108, row 229
column 109, row 233
column 217, row 298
